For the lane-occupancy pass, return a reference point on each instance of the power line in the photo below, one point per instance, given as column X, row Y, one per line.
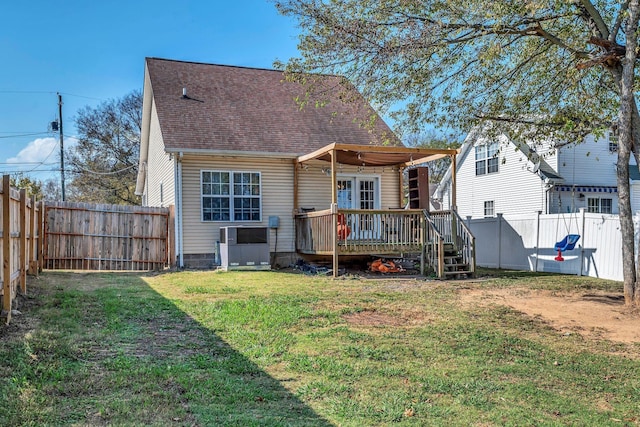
column 81, row 96
column 27, row 91
column 24, row 134
column 26, row 172
column 27, row 163
column 102, row 173
column 46, row 158
column 49, row 93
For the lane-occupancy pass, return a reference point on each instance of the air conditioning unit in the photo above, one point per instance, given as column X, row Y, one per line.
column 244, row 248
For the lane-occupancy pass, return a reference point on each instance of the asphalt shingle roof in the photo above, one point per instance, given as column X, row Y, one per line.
column 248, row 109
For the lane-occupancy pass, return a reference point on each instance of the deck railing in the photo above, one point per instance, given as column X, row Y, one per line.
column 361, row 232
column 314, row 232
column 452, row 230
column 434, row 247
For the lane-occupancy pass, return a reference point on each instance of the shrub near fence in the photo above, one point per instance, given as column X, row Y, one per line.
column 21, row 220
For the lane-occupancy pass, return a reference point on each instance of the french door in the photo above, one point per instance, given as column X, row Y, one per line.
column 360, row 192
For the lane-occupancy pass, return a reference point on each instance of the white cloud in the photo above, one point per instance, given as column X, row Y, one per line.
column 45, row 150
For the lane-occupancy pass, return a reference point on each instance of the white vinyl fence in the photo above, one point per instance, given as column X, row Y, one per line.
column 526, row 242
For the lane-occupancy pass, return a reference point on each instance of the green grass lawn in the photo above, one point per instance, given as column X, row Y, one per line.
column 286, row 349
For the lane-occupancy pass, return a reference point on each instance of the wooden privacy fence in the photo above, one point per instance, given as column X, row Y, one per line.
column 86, row 236
column 21, row 245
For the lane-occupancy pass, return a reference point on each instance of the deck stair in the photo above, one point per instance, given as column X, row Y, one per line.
column 449, row 246
column 454, row 263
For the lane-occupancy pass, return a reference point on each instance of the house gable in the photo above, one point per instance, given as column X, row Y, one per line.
column 223, row 108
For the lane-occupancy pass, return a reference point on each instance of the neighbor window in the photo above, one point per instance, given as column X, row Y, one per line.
column 597, row 205
column 487, row 158
column 489, row 209
column 614, row 136
column 230, row 196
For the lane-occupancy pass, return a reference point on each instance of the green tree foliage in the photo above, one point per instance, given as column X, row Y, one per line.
column 103, row 163
column 549, row 69
column 22, row 181
column 437, row 168
column 43, row 190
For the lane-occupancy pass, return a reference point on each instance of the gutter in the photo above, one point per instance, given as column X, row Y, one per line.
column 236, row 153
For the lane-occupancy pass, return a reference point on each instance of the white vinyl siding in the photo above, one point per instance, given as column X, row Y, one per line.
column 276, row 177
column 514, row 190
column 160, row 181
column 588, row 163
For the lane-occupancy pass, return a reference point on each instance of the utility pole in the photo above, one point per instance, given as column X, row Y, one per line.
column 61, row 144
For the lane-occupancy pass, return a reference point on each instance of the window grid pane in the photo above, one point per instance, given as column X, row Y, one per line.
column 489, row 208
column 487, row 159
column 230, row 196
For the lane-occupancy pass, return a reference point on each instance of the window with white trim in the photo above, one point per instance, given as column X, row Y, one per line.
column 489, row 208
column 614, row 136
column 231, row 196
column 599, row 205
column 487, row 158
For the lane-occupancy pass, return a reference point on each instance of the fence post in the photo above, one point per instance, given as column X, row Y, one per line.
column 6, row 249
column 171, row 235
column 535, row 267
column 41, row 236
column 499, row 232
column 22, row 256
column 33, row 227
column 582, row 213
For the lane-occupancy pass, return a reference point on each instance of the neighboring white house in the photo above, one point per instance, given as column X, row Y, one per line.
column 497, row 175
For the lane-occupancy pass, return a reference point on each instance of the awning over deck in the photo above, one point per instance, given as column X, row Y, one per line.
column 374, row 155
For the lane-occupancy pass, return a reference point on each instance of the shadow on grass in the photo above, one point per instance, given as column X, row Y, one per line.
column 99, row 349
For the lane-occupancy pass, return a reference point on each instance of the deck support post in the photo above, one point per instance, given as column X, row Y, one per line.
column 295, row 186
column 334, row 211
column 401, row 186
column 454, row 203
column 334, row 226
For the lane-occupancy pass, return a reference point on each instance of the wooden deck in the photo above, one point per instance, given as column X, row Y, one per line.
column 360, row 232
column 442, row 240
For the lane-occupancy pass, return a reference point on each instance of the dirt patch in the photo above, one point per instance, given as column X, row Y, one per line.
column 376, row 318
column 597, row 315
column 373, row 318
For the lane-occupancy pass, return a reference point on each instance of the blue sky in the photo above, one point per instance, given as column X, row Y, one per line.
column 94, row 51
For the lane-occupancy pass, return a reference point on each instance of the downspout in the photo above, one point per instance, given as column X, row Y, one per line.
column 179, row 213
